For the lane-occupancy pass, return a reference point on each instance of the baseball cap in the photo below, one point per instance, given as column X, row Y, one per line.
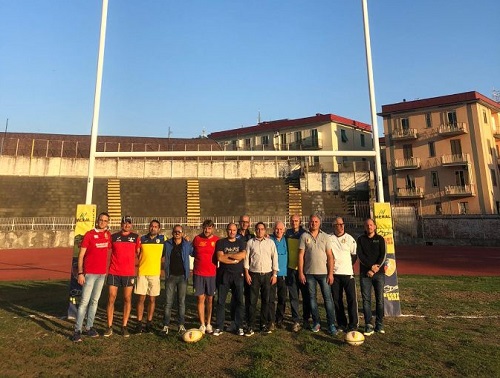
column 127, row 219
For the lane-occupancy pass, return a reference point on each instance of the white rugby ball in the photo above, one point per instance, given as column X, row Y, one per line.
column 192, row 335
column 354, row 338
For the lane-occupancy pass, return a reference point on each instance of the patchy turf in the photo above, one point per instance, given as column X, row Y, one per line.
column 437, row 340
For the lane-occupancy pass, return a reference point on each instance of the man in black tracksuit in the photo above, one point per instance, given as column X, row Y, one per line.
column 371, row 255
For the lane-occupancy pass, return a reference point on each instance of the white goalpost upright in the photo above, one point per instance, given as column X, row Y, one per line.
column 152, row 154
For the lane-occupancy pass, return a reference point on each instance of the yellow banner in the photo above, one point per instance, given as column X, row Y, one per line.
column 85, row 218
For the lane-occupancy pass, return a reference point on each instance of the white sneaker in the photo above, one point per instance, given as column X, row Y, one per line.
column 209, row 329
column 165, row 330
column 202, row 329
column 182, row 329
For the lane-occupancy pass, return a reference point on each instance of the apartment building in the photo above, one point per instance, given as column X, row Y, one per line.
column 328, row 132
column 443, row 154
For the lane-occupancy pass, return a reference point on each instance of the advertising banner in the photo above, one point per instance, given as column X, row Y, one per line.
column 383, row 220
column 85, row 221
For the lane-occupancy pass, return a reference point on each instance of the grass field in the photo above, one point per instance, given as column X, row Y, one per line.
column 452, row 331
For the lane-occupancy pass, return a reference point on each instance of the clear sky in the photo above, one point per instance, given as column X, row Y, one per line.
column 212, row 65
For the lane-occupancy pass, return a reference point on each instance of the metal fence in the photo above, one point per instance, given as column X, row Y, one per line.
column 167, row 223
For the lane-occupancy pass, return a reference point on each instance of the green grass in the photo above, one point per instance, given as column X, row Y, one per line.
column 452, row 331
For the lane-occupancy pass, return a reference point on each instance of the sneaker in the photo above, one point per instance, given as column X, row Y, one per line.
column 296, row 327
column 149, row 327
column 264, row 329
column 249, row 332
column 108, row 332
column 315, row 328
column 241, row 332
column 92, row 332
column 165, row 330
column 380, row 329
column 368, row 330
column 217, row 332
column 182, row 329
column 209, row 329
column 139, row 328
column 203, row 329
column 333, row 331
column 77, row 337
column 125, row 332
column 351, row 328
column 272, row 327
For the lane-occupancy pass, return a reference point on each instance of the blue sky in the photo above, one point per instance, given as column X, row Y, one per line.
column 198, row 65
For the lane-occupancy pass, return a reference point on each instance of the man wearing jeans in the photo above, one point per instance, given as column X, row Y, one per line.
column 316, row 265
column 176, row 251
column 92, row 261
column 261, row 268
column 371, row 255
column 230, row 255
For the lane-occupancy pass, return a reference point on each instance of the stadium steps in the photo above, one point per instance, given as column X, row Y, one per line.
column 294, row 200
column 193, row 202
column 114, row 202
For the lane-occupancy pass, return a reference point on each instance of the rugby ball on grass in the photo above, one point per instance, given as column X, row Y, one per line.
column 192, row 335
column 354, row 338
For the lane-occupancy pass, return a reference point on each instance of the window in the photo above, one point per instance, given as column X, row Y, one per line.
column 485, row 116
column 439, row 208
column 434, row 179
column 314, row 138
column 265, row 140
column 456, row 147
column 432, row 149
column 410, row 182
column 493, row 177
column 405, row 123
column 452, row 118
column 343, row 136
column 362, row 140
column 428, row 122
column 460, row 178
column 298, row 136
column 407, row 151
column 234, row 145
column 283, row 139
column 248, row 143
column 463, row 208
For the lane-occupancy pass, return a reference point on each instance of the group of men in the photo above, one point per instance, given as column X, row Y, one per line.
column 273, row 266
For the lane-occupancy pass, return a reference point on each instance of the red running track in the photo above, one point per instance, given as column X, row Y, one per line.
column 55, row 263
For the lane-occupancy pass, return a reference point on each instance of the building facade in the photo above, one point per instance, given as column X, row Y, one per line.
column 320, row 132
column 443, row 154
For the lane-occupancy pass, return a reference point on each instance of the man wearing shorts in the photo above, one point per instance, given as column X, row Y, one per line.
column 148, row 275
column 92, row 261
column 204, row 270
column 125, row 247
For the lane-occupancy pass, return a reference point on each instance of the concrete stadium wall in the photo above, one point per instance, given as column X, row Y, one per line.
column 143, row 168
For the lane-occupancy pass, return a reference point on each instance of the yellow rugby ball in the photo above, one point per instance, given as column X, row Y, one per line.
column 192, row 335
column 354, row 338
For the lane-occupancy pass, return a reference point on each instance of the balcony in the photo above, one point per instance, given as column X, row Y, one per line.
column 411, row 163
column 451, row 129
column 496, row 133
column 308, row 143
column 410, row 193
column 456, row 159
column 460, row 190
column 404, row 134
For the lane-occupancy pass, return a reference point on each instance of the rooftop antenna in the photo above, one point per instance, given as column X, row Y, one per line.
column 203, row 133
column 170, row 132
column 496, row 94
column 258, row 118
